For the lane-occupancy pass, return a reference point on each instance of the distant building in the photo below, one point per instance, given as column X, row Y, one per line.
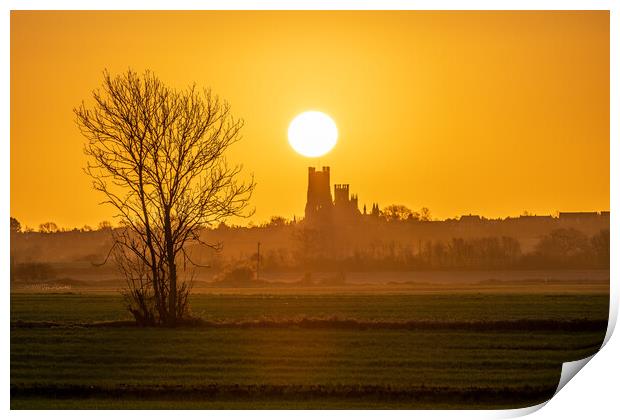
column 319, row 205
column 534, row 217
column 345, row 206
column 578, row 215
column 375, row 210
column 471, row 218
column 583, row 219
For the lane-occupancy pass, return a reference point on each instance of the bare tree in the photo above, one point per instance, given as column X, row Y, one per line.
column 396, row 213
column 104, row 225
column 48, row 227
column 425, row 214
column 157, row 155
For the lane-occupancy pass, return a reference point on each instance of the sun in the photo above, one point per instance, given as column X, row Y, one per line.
column 312, row 133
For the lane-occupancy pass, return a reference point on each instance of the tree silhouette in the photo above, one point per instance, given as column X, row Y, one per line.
column 396, row 212
column 48, row 227
column 104, row 225
column 16, row 227
column 277, row 221
column 401, row 213
column 425, row 214
column 564, row 248
column 157, row 156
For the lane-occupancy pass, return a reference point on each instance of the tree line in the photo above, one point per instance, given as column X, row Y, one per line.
column 52, row 227
column 316, row 250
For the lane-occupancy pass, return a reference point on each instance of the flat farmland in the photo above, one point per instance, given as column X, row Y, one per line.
column 302, row 351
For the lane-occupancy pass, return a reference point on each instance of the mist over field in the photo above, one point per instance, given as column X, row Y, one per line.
column 294, row 253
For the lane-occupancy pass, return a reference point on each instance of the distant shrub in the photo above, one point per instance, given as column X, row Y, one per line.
column 237, row 276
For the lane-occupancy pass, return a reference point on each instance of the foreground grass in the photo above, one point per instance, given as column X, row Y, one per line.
column 381, row 307
column 262, row 404
column 293, row 366
column 187, row 357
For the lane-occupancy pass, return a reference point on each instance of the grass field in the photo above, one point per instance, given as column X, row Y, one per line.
column 302, row 351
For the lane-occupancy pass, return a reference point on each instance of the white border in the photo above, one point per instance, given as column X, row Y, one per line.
column 593, row 394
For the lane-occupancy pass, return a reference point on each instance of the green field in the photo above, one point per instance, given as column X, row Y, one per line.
column 302, row 351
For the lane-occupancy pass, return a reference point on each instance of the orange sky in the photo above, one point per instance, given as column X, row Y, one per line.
column 488, row 113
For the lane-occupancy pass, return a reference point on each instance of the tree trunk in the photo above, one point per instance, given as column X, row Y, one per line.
column 172, row 270
column 159, row 302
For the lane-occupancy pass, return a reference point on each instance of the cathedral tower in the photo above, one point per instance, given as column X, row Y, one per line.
column 319, row 201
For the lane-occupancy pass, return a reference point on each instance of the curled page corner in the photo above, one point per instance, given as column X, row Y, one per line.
column 613, row 316
column 521, row 412
column 570, row 369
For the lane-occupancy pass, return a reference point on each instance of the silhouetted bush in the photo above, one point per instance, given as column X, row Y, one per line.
column 238, row 275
